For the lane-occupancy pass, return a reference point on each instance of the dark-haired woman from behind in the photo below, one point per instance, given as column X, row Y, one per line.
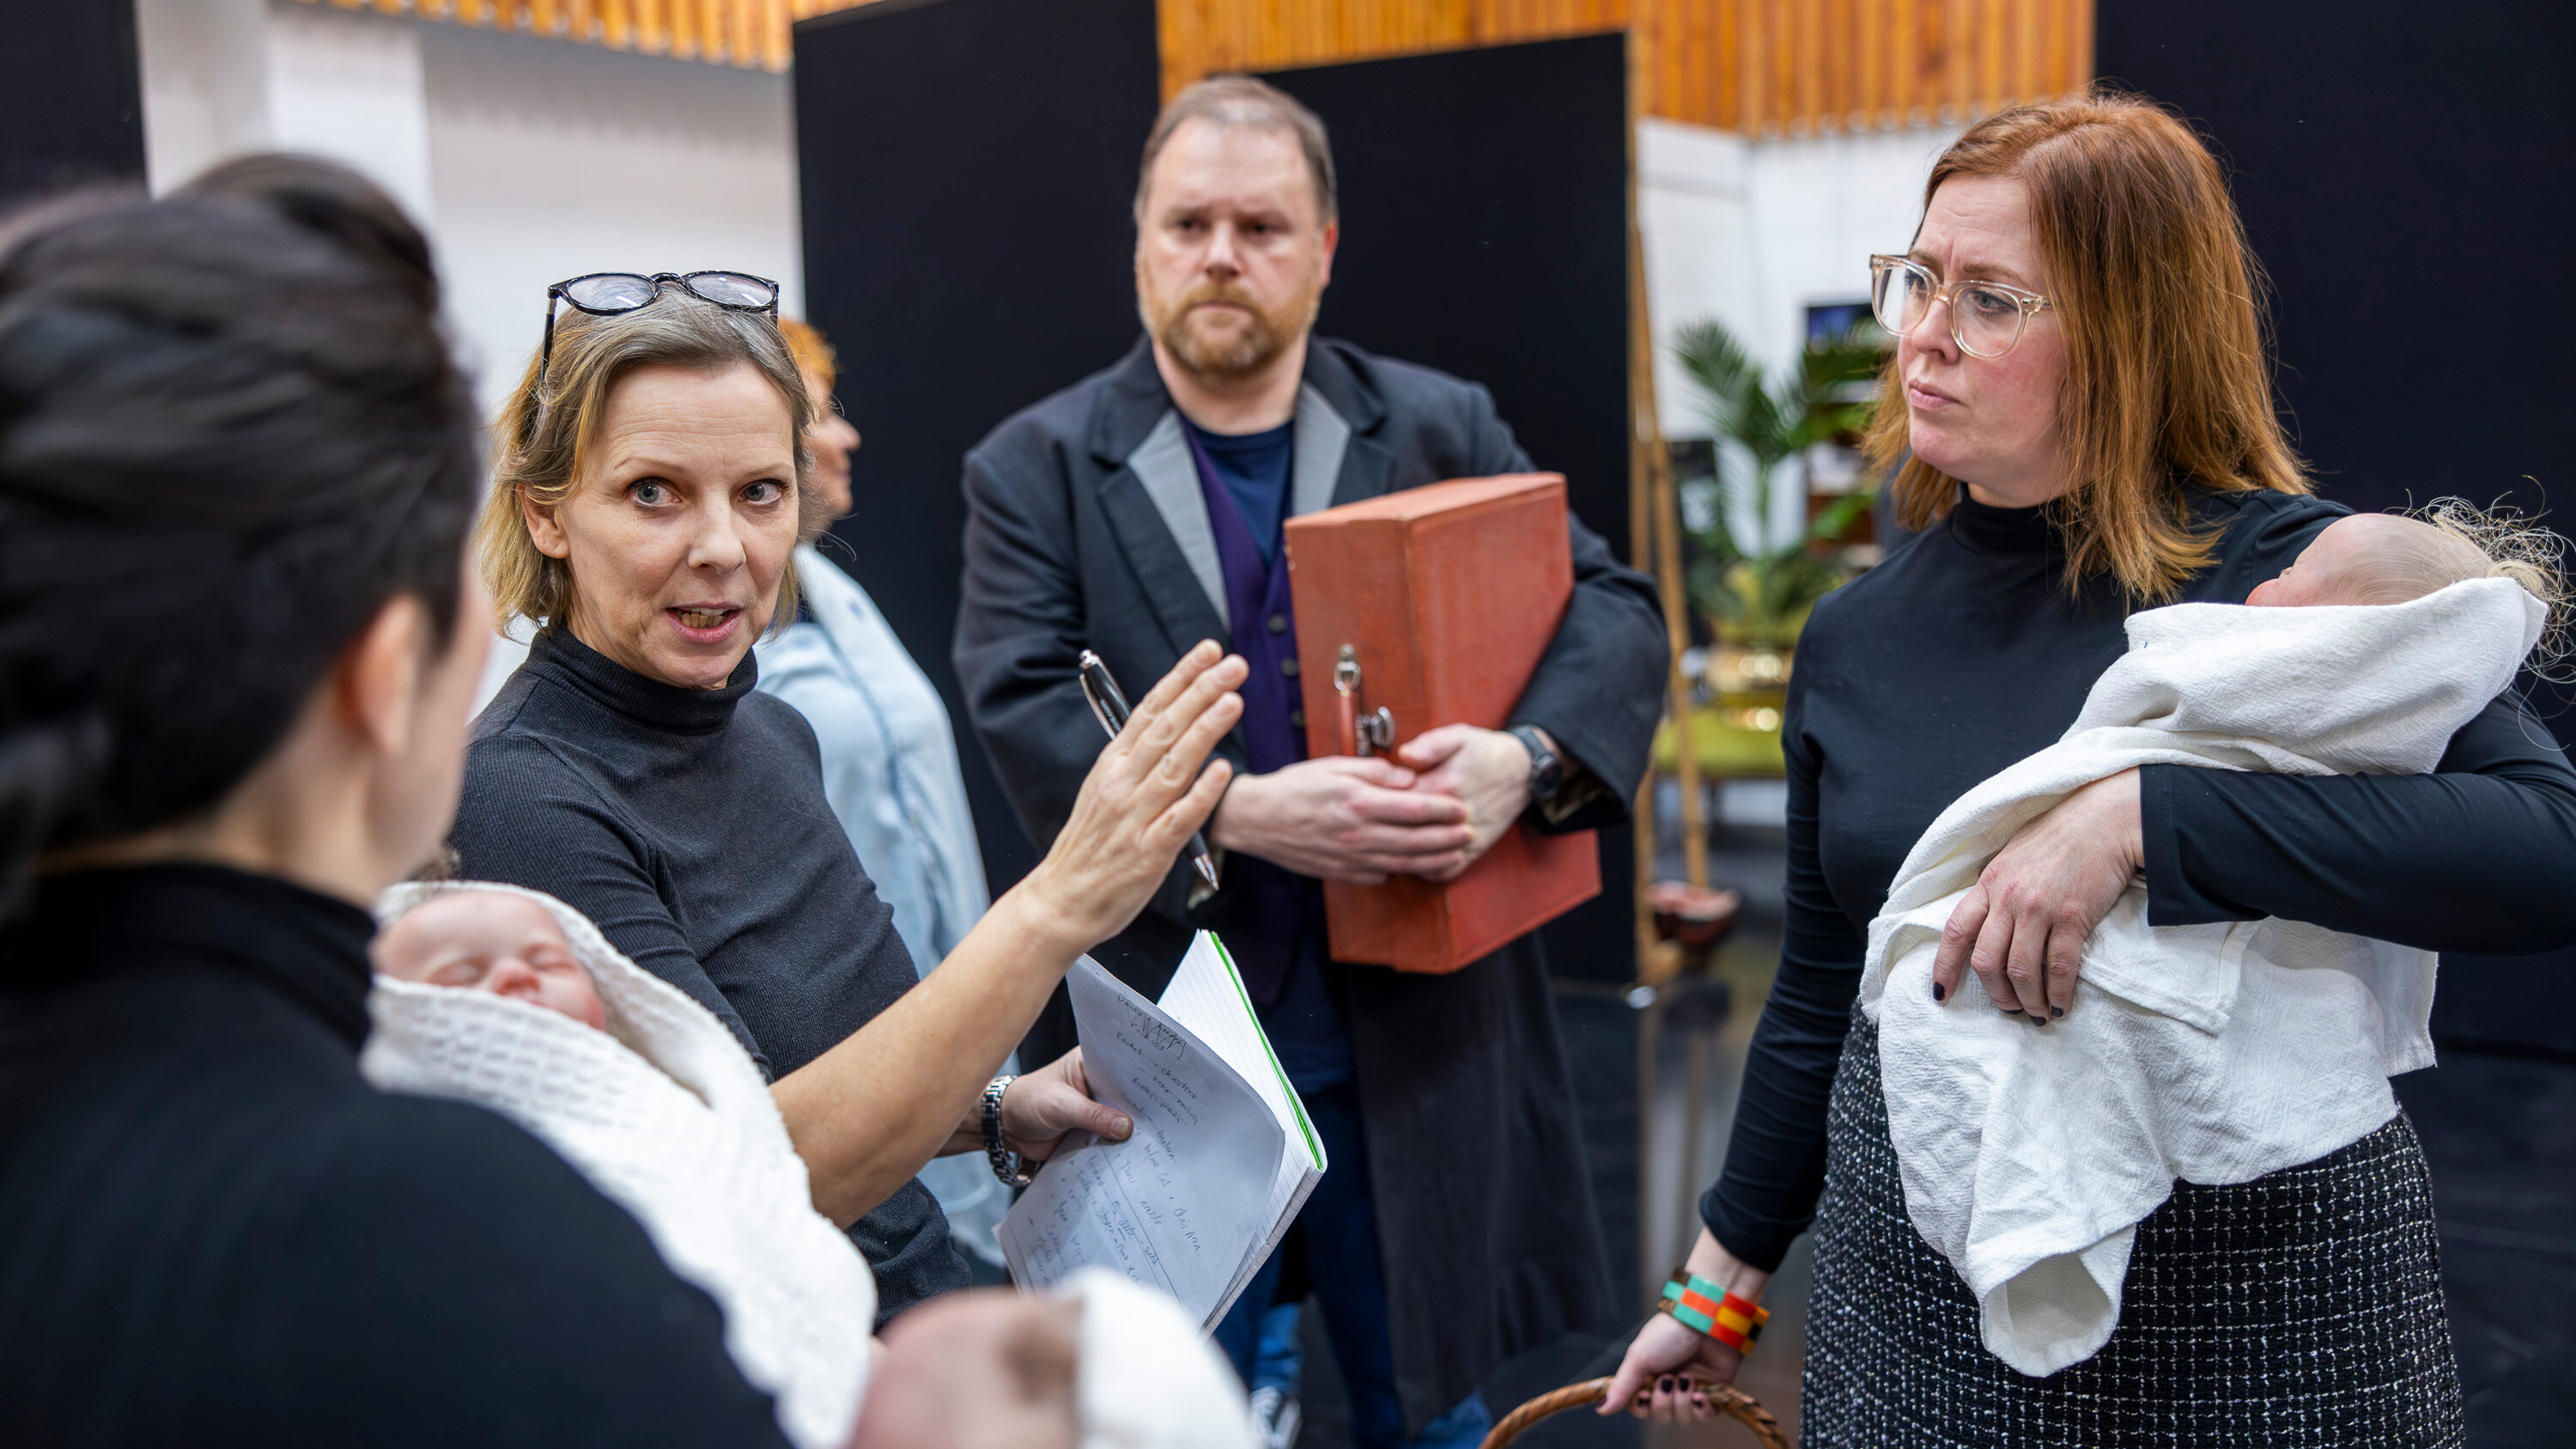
column 237, row 644
column 236, row 472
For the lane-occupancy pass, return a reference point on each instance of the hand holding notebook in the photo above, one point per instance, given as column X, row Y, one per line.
column 1196, row 1199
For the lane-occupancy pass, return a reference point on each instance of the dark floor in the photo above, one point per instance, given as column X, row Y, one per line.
column 2501, row 1135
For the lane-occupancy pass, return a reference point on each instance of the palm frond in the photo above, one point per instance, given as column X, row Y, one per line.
column 1725, row 373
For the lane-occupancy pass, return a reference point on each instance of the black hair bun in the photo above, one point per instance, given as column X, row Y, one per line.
column 230, row 432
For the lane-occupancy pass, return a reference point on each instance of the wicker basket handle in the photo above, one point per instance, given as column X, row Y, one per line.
column 1725, row 1397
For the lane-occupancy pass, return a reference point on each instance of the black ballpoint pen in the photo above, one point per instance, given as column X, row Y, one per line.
column 1110, row 708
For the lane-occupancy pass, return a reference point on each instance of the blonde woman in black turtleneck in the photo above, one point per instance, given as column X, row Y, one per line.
column 2081, row 401
column 646, row 512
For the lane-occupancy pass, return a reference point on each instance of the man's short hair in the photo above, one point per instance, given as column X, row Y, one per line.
column 1240, row 100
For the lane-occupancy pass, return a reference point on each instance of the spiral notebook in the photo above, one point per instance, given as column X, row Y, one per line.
column 1223, row 1156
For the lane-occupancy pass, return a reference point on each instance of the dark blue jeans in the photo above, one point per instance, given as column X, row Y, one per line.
column 1340, row 1226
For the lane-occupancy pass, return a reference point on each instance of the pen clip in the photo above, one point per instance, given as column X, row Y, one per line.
column 1101, row 691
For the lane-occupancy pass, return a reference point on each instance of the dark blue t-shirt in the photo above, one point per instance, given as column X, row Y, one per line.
column 1254, row 469
column 1308, row 1023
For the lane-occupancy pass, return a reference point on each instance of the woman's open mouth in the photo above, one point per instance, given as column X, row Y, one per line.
column 704, row 623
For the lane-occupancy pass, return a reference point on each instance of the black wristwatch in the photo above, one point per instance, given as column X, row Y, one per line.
column 1547, row 772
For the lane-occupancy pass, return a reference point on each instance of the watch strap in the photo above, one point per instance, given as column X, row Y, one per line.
column 1547, row 768
column 1007, row 1165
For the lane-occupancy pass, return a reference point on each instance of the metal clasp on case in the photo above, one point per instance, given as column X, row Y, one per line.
column 1362, row 734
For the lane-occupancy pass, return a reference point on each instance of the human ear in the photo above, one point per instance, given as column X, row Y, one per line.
column 378, row 678
column 1332, row 239
column 544, row 529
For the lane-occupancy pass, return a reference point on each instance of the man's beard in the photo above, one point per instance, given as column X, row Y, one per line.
column 1241, row 351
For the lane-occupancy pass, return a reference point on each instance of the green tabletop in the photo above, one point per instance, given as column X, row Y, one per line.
column 1727, row 751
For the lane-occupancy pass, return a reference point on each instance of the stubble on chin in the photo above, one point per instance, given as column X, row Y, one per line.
column 1220, row 354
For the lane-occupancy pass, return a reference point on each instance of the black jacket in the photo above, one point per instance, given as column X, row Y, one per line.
column 214, row 1232
column 1080, row 535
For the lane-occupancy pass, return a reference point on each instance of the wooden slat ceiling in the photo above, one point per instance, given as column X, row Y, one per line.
column 1763, row 67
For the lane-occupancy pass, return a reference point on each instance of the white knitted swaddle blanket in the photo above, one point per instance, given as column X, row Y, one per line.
column 666, row 1114
column 2214, row 1053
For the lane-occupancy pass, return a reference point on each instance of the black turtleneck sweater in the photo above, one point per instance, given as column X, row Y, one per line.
column 213, row 1231
column 1963, row 653
column 691, row 826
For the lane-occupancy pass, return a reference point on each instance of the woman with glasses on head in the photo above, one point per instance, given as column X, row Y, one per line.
column 2080, row 414
column 654, row 488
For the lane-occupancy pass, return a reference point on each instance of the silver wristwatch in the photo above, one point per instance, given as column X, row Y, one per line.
column 1006, row 1163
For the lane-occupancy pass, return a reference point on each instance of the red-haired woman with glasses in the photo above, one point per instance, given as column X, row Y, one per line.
column 2080, row 398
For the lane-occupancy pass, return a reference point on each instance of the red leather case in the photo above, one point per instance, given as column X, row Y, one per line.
column 1441, row 599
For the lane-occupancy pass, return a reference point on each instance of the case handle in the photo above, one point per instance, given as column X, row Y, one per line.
column 1362, row 734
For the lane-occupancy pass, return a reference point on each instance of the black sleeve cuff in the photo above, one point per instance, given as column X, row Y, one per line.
column 2172, row 811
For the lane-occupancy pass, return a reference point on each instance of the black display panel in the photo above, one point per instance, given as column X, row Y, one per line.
column 71, row 109
column 2408, row 178
column 1484, row 202
column 967, row 170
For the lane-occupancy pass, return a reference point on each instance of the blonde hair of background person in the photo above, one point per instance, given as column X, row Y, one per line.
column 830, row 437
column 546, row 439
column 2160, row 306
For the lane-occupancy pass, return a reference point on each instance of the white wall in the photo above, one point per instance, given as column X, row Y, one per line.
column 1754, row 232
column 528, row 160
column 550, row 160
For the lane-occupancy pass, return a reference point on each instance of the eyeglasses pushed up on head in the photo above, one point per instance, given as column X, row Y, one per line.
column 1986, row 318
column 605, row 294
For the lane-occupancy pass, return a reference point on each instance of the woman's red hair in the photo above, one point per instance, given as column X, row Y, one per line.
column 2169, row 372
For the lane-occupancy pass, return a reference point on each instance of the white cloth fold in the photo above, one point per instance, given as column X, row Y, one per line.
column 666, row 1114
column 1149, row 1378
column 2211, row 1053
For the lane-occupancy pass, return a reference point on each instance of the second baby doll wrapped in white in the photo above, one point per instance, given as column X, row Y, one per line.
column 2211, row 1053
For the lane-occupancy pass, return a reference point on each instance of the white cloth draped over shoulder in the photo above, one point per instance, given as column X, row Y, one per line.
column 890, row 771
column 666, row 1114
column 2212, row 1053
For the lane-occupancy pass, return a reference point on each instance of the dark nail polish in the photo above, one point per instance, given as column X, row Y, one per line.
column 1938, row 991
column 2057, row 1011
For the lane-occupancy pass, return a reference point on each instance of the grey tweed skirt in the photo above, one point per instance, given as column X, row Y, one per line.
column 2303, row 1308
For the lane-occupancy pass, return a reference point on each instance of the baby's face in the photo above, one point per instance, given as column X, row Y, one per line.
column 2330, row 569
column 490, row 941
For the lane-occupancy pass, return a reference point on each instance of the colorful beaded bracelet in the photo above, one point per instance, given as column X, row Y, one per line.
column 1703, row 1307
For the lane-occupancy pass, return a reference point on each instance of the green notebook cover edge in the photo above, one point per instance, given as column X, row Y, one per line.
column 1314, row 1149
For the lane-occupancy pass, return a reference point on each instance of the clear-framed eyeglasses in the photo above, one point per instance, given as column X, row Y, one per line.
column 605, row 294
column 1987, row 319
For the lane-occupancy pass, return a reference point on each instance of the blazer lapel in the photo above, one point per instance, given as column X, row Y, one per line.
column 1339, row 411
column 1154, row 506
column 1322, row 437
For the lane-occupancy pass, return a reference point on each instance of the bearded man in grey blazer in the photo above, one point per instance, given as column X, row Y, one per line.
column 1139, row 512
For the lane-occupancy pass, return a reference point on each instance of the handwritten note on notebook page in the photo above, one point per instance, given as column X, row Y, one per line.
column 1221, row 1159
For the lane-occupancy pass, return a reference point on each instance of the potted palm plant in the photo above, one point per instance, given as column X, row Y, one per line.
column 1756, row 586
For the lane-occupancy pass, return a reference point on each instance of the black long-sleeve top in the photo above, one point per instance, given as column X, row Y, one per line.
column 691, row 826
column 214, row 1232
column 1964, row 652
